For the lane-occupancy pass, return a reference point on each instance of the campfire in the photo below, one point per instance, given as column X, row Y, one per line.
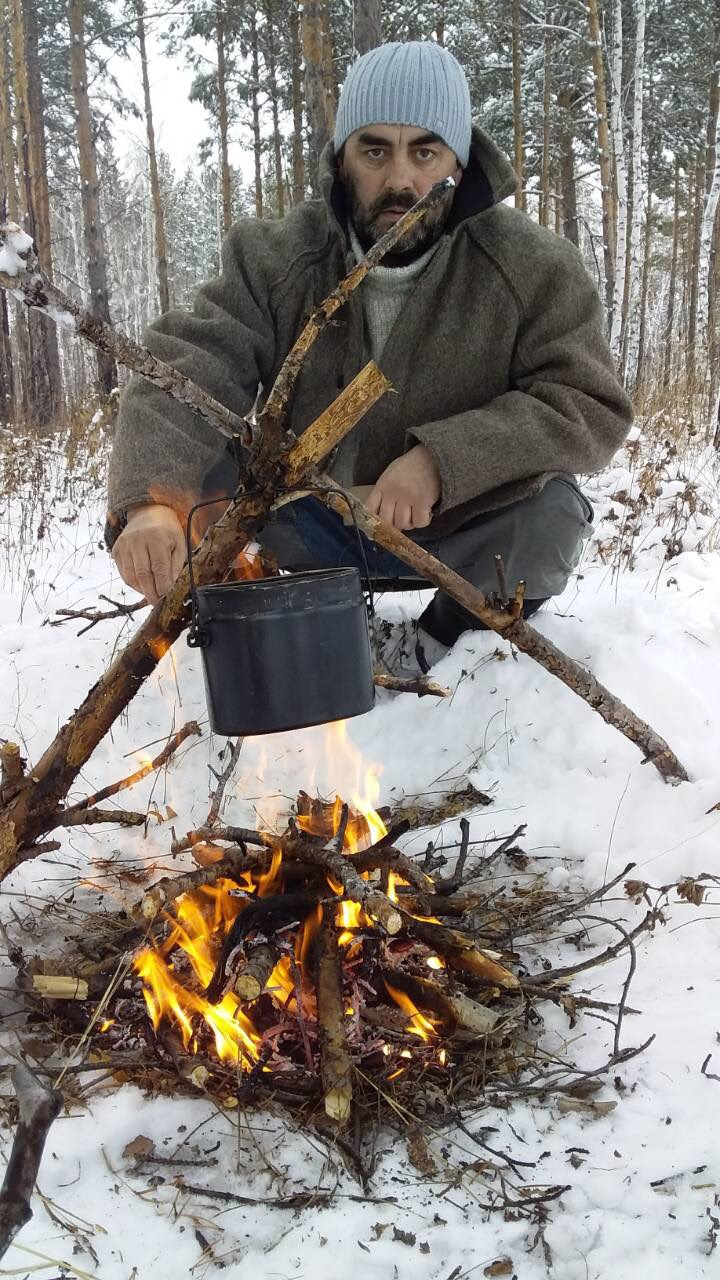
column 315, row 958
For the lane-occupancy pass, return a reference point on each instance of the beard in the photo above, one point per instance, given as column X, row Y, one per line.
column 415, row 242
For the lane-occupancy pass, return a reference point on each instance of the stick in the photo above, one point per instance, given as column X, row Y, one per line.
column 32, row 812
column 510, row 624
column 38, row 1107
column 375, row 902
column 252, row 980
column 93, row 616
column 455, row 1008
column 419, row 685
column 335, row 1063
column 191, row 729
column 234, row 863
column 224, row 778
column 459, row 952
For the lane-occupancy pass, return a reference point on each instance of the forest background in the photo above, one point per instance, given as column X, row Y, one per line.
column 609, row 109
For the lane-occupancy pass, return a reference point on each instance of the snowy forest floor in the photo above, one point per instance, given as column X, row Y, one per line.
column 645, row 1177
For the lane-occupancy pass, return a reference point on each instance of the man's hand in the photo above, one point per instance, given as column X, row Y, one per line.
column 407, row 490
column 150, row 551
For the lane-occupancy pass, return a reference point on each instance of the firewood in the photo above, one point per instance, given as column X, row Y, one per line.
column 253, row 978
column 335, row 1062
column 455, row 1008
column 460, row 952
column 59, row 987
column 38, row 1107
column 375, row 902
column 233, row 864
column 419, row 685
column 191, row 729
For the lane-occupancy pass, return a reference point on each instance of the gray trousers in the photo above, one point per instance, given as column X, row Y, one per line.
column 540, row 540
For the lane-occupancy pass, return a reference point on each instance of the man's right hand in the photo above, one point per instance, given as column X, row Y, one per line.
column 150, row 551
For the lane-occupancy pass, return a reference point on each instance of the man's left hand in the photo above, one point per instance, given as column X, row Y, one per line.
column 407, row 490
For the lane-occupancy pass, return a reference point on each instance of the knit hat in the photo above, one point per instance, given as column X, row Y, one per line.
column 416, row 83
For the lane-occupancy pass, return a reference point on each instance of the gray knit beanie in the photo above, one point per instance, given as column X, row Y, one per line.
column 417, row 83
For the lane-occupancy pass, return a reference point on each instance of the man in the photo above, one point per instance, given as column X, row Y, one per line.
column 487, row 326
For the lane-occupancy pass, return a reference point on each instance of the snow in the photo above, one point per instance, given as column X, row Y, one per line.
column 652, row 635
column 14, row 248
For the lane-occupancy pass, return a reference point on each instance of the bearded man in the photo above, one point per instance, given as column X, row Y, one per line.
column 487, row 326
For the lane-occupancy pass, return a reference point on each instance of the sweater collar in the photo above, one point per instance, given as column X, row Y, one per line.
column 488, row 179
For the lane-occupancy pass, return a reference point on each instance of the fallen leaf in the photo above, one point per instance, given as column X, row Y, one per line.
column 139, row 1148
column 418, row 1153
column 404, row 1237
column 502, row 1267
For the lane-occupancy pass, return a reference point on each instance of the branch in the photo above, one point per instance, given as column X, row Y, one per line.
column 38, row 1107
column 335, row 1062
column 70, row 817
column 510, row 624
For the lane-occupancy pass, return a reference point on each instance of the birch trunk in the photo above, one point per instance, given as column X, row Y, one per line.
column 638, row 203
column 704, row 257
column 157, row 205
column 697, row 206
column 621, row 189
column 93, row 236
column 604, row 154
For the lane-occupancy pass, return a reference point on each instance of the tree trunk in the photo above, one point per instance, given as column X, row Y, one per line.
column 158, row 213
column 604, row 154
column 298, row 153
column 696, row 210
column 642, row 337
column 566, row 99
column 519, row 148
column 271, row 57
column 93, row 237
column 544, row 207
column 43, row 383
column 225, row 176
column 255, row 103
column 620, row 187
column 638, row 218
column 367, row 31
column 672, row 284
column 9, row 212
column 318, row 81
column 712, row 199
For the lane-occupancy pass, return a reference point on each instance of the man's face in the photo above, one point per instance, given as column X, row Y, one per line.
column 385, row 169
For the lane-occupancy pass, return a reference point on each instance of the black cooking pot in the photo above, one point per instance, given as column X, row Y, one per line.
column 286, row 652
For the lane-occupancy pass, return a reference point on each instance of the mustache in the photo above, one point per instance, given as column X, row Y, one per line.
column 403, row 202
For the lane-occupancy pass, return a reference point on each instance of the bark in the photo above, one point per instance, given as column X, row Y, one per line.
column 335, row 1061
column 544, row 207
column 16, row 373
column 319, row 80
column 38, row 1107
column 697, row 205
column 43, row 383
column 367, row 29
column 519, row 145
column 672, row 283
column 271, row 57
column 712, row 199
column 566, row 101
column 639, row 195
column 255, row 106
column 604, row 153
column 158, row 212
column 621, row 186
column 225, row 176
column 93, row 236
column 298, row 153
column 645, row 288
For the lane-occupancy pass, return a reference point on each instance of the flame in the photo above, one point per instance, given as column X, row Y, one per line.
column 418, row 1025
column 435, row 962
column 365, row 826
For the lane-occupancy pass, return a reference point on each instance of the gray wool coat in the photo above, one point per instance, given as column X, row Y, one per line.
column 498, row 360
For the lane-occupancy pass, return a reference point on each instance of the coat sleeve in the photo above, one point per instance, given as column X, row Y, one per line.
column 564, row 410
column 163, row 450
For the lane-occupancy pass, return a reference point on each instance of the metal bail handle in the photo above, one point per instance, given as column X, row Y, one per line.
column 198, row 636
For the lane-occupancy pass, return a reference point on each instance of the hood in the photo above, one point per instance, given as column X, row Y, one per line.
column 488, row 179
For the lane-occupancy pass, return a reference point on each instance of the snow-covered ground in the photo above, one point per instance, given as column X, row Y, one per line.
column 591, row 806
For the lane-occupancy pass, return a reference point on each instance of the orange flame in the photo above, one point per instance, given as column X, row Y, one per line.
column 418, row 1025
